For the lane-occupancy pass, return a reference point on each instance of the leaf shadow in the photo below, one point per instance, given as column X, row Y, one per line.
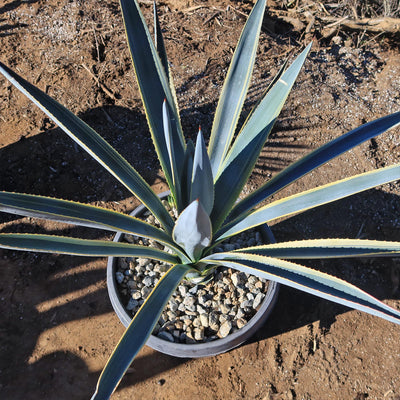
column 57, row 166
column 368, row 215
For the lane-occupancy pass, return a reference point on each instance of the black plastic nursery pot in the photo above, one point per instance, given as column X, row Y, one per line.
column 196, row 350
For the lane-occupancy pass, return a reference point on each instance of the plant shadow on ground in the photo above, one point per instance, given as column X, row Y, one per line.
column 56, row 167
column 369, row 215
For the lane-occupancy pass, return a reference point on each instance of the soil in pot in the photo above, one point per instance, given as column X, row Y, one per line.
column 195, row 313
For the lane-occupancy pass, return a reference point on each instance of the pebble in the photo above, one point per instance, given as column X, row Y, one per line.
column 238, row 278
column 145, row 291
column 147, row 281
column 258, row 299
column 198, row 313
column 241, row 322
column 119, row 276
column 225, row 329
column 136, row 295
column 213, row 321
column 173, row 305
column 204, row 320
column 165, row 336
column 131, row 304
column 199, row 334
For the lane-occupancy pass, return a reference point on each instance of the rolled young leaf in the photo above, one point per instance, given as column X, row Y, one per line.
column 138, row 332
column 311, row 198
column 315, row 159
column 326, row 248
column 81, row 247
column 94, row 144
column 192, row 230
column 308, row 280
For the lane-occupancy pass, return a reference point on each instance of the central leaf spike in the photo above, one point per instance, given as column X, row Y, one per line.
column 202, row 184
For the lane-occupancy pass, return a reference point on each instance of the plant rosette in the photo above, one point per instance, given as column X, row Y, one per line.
column 200, row 320
column 205, row 183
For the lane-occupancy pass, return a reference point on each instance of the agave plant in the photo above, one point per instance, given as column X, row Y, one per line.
column 205, row 185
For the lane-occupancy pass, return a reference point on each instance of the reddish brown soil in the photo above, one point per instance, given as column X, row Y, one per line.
column 57, row 327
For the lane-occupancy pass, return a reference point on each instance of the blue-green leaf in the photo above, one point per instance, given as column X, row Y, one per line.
column 80, row 247
column 138, row 332
column 202, row 187
column 243, row 155
column 235, row 88
column 192, row 230
column 154, row 86
column 160, row 47
column 315, row 159
column 307, row 280
column 311, row 198
column 94, row 144
column 159, row 41
column 79, row 214
column 326, row 248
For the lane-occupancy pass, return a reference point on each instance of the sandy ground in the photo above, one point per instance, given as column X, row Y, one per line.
column 57, row 327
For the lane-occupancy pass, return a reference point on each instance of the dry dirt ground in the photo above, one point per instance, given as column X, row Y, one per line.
column 57, row 327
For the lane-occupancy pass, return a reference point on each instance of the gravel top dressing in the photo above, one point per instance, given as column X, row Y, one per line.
column 195, row 313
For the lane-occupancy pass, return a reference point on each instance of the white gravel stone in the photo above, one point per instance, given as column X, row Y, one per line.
column 258, row 299
column 225, row 329
column 200, row 310
column 204, row 320
column 136, row 295
column 173, row 305
column 241, row 322
column 182, row 290
column 198, row 333
column 238, row 278
column 141, row 262
column 213, row 321
column 145, row 291
column 147, row 281
column 225, row 309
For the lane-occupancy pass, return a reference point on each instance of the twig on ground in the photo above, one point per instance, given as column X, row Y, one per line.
column 101, row 85
column 377, row 25
column 212, row 17
column 97, row 45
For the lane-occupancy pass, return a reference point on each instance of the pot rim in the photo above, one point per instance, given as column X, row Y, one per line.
column 194, row 350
